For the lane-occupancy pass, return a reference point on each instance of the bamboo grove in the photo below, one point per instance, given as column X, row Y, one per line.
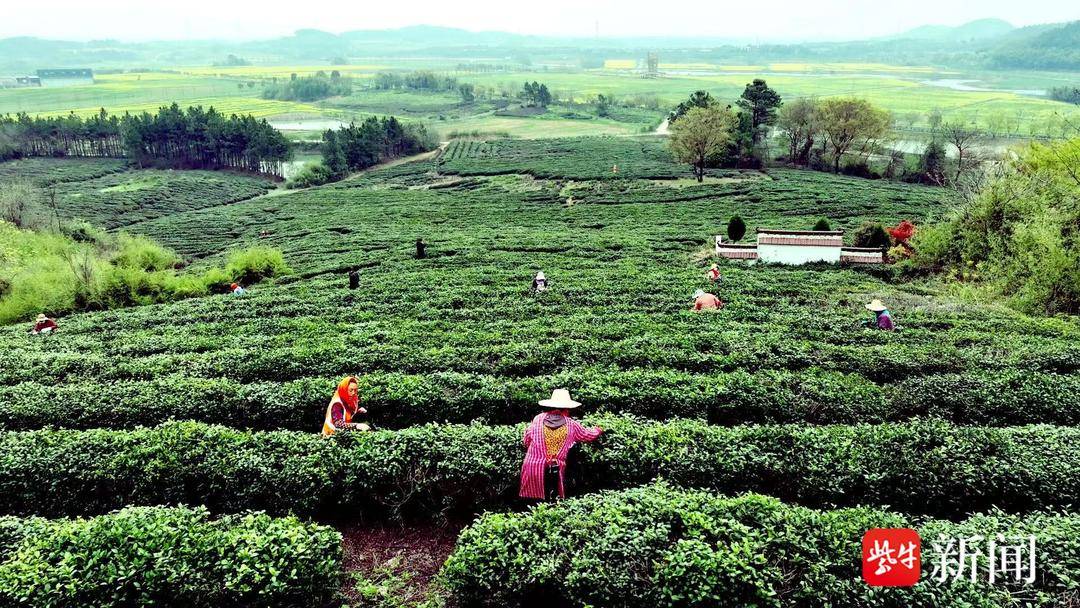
column 171, row 138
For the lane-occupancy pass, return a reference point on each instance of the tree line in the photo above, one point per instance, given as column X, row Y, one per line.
column 836, row 134
column 359, row 146
column 309, row 88
column 1066, row 94
column 535, row 94
column 172, row 138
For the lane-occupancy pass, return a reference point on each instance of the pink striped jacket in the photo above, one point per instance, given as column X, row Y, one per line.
column 532, row 470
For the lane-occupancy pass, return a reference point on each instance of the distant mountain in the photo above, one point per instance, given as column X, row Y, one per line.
column 1040, row 47
column 986, row 43
column 980, row 29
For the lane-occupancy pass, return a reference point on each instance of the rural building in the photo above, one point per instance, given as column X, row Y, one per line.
column 65, row 77
column 798, row 247
column 19, row 82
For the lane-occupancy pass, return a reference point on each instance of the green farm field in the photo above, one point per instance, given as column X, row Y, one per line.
column 906, row 92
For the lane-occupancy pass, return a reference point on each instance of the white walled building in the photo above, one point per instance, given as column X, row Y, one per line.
column 798, row 247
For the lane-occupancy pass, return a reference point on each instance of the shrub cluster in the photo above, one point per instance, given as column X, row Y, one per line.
column 155, row 556
column 86, row 269
column 657, row 546
column 919, row 467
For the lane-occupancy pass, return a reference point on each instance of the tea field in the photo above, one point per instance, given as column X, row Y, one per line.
column 111, row 193
column 966, row 420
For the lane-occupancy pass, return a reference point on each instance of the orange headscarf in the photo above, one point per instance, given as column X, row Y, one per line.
column 348, row 401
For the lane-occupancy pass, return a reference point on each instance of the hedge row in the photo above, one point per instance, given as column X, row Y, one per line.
column 252, row 351
column 155, row 556
column 923, row 467
column 656, row 546
column 401, row 400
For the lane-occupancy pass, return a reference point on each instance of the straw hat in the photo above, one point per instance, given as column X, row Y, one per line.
column 560, row 400
column 876, row 306
column 697, row 294
column 714, row 267
column 42, row 317
column 540, row 276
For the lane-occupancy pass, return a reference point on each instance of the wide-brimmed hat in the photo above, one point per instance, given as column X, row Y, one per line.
column 42, row 317
column 714, row 267
column 697, row 294
column 876, row 306
column 560, row 400
column 540, row 275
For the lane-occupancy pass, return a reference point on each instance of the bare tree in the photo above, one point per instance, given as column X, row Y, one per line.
column 962, row 137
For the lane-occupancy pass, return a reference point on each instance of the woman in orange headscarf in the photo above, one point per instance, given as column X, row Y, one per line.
column 343, row 406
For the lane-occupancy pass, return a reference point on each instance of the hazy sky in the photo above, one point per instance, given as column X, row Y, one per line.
column 761, row 19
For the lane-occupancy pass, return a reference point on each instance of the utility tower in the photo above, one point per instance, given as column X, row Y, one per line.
column 652, row 65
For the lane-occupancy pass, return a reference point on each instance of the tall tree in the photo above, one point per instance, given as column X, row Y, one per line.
column 333, row 155
column 850, row 123
column 798, row 120
column 698, row 99
column 761, row 102
column 932, row 164
column 700, row 134
column 543, row 96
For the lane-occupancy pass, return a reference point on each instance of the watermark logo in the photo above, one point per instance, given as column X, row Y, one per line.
column 891, row 557
column 1009, row 559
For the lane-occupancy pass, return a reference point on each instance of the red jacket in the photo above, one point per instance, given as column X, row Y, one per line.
column 708, row 302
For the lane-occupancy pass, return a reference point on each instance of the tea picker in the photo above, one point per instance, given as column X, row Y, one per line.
column 548, row 441
column 343, row 406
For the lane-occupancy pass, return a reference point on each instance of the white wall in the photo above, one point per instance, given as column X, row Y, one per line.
column 797, row 254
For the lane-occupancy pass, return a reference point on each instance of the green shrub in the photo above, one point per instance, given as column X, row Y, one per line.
column 312, row 174
column 254, row 264
column 657, row 546
column 1017, row 234
column 920, row 467
column 57, row 273
column 822, row 225
column 736, row 228
column 153, row 556
column 140, row 253
column 871, row 234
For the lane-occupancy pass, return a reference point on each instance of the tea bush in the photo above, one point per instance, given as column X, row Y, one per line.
column 154, row 556
column 658, row 546
column 920, row 467
column 396, row 400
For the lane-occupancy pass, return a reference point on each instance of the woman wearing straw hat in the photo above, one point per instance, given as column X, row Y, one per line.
column 43, row 325
column 706, row 301
column 882, row 318
column 713, row 273
column 540, row 282
column 548, row 440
